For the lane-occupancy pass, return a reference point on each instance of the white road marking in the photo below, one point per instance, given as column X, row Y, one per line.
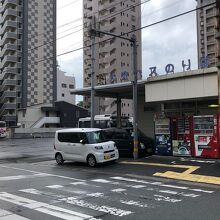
column 201, row 190
column 32, row 191
column 118, row 190
column 18, row 177
column 40, row 173
column 106, row 209
column 43, row 207
column 138, row 186
column 181, row 193
column 97, row 195
column 166, row 199
column 159, row 184
column 198, row 161
column 169, row 192
column 79, row 183
column 101, row 181
column 176, row 187
column 55, row 186
column 135, row 203
column 5, row 215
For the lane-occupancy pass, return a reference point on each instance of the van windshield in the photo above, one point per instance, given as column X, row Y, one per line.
column 95, row 137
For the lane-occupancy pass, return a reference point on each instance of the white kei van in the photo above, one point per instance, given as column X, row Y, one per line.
column 84, row 145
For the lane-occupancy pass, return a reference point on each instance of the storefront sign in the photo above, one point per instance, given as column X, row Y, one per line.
column 169, row 68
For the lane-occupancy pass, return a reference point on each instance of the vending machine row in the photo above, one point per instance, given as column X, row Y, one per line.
column 187, row 136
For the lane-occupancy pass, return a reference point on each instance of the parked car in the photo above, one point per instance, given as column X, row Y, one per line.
column 123, row 139
column 84, row 145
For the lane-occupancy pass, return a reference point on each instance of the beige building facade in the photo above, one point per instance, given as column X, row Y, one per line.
column 113, row 56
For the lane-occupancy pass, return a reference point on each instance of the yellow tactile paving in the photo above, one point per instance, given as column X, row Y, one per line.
column 186, row 175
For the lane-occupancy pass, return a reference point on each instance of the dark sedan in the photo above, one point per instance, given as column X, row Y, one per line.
column 124, row 141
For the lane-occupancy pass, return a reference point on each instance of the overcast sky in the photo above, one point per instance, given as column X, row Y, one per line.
column 169, row 42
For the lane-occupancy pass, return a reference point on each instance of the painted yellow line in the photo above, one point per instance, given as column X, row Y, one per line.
column 186, row 175
column 190, row 177
column 190, row 169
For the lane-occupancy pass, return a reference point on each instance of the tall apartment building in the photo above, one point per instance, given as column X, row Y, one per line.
column 27, row 55
column 207, row 34
column 113, row 56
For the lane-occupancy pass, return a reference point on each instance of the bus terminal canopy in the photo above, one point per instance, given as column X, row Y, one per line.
column 120, row 90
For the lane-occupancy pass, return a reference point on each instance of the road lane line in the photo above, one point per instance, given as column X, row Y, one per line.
column 43, row 207
column 19, row 177
column 41, row 173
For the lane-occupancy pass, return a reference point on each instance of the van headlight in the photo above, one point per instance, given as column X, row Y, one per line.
column 142, row 146
column 98, row 147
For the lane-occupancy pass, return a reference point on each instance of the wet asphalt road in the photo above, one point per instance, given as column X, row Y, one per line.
column 32, row 186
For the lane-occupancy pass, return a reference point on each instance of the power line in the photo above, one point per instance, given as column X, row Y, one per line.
column 138, row 29
column 95, row 12
column 71, row 3
column 111, row 16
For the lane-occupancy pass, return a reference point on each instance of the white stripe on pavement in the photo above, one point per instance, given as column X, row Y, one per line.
column 18, row 177
column 6, row 215
column 106, row 209
column 43, row 207
column 40, row 173
column 159, row 184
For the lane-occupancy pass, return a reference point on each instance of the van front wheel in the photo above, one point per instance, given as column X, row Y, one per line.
column 59, row 159
column 91, row 161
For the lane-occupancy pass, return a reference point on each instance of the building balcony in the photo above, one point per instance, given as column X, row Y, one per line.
column 211, row 42
column 7, row 26
column 7, row 3
column 8, row 59
column 6, row 83
column 7, row 48
column 6, row 95
column 6, row 107
column 9, row 13
column 9, row 117
column 217, row 35
column 8, row 36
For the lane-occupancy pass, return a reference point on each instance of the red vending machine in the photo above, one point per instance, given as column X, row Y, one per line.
column 206, row 136
column 182, row 136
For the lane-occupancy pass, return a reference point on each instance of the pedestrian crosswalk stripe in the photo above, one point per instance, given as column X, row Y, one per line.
column 43, row 207
column 54, row 186
column 159, row 184
column 6, row 215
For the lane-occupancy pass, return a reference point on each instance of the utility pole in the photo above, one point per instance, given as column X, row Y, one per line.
column 134, row 46
column 133, row 42
column 92, row 105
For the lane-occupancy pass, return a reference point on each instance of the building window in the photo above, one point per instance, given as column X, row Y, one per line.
column 63, row 95
column 63, row 85
column 71, row 86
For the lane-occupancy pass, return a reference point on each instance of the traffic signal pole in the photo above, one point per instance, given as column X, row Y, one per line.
column 133, row 42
